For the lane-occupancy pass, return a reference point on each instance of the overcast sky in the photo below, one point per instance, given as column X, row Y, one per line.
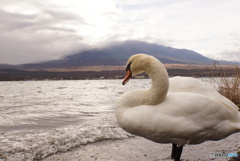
column 37, row 30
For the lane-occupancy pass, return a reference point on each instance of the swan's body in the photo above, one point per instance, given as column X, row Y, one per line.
column 180, row 111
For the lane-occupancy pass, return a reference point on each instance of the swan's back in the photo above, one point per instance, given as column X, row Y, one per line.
column 193, row 85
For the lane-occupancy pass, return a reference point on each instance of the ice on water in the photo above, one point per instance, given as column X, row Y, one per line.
column 40, row 118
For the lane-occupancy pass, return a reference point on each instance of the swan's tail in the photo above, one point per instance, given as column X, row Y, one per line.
column 236, row 123
column 237, row 126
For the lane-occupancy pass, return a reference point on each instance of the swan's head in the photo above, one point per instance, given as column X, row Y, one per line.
column 137, row 64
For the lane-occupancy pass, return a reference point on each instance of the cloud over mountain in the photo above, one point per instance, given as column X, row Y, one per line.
column 32, row 31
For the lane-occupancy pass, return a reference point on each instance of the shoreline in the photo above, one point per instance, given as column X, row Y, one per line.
column 140, row 149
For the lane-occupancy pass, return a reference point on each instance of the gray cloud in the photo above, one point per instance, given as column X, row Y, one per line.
column 33, row 31
column 37, row 37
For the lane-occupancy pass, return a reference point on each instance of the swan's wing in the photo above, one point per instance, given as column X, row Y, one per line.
column 182, row 118
column 193, row 85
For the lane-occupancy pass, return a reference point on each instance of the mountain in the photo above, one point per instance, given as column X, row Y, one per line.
column 7, row 66
column 117, row 53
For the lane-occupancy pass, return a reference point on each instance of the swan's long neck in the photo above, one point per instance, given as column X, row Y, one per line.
column 160, row 83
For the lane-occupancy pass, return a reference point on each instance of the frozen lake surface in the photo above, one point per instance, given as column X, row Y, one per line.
column 41, row 118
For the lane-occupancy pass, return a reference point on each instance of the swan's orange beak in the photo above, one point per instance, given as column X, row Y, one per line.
column 127, row 77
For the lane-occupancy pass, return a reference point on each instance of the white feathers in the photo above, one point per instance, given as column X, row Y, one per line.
column 190, row 112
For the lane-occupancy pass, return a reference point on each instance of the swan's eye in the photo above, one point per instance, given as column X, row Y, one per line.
column 128, row 66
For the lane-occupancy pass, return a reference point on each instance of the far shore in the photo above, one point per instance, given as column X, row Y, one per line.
column 116, row 68
column 104, row 72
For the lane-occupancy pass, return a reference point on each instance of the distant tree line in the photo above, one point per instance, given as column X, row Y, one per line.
column 18, row 75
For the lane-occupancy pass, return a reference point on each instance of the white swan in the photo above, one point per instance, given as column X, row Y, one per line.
column 187, row 112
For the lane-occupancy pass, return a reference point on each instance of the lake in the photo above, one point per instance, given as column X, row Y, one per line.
column 40, row 118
